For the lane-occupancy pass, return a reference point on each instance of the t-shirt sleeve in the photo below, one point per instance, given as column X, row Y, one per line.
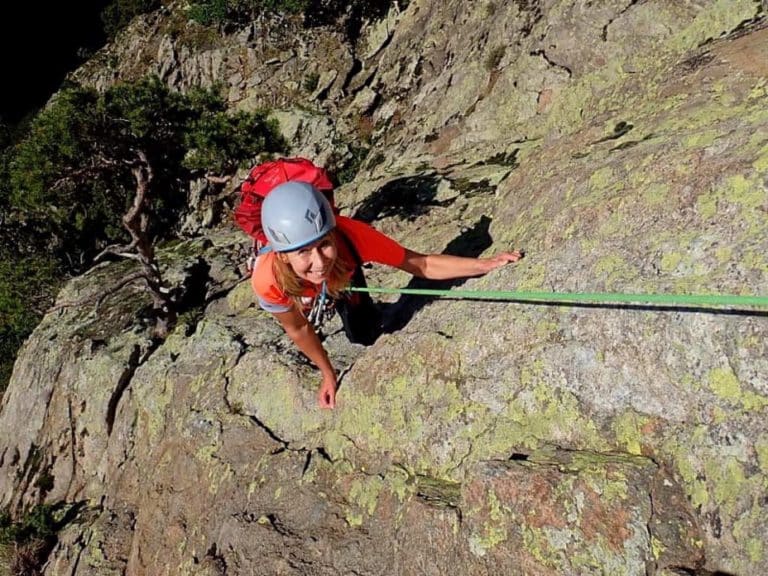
column 371, row 245
column 268, row 294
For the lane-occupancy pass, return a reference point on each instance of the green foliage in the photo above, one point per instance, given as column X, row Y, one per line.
column 66, row 139
column 220, row 142
column 118, row 14
column 5, row 134
column 346, row 169
column 5, row 185
column 26, row 286
column 38, row 524
column 55, row 138
column 73, row 171
column 316, row 12
column 208, row 12
column 290, row 6
column 26, row 544
column 67, row 182
column 311, row 81
column 145, row 114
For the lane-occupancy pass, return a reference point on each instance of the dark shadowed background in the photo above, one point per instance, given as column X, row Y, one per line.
column 39, row 43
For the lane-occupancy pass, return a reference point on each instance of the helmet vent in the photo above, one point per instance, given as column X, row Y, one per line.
column 279, row 236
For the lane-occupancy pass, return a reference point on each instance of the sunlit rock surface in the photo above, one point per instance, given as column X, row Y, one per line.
column 623, row 146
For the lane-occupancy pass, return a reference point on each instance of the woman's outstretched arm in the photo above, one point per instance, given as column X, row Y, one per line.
column 446, row 266
column 304, row 336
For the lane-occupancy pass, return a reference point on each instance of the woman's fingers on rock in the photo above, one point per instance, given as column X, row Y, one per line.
column 513, row 256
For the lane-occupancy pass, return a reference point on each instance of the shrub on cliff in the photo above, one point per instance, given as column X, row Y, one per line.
column 70, row 181
column 119, row 13
column 73, row 172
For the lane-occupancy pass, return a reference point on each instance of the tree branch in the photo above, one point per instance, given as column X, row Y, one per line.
column 124, row 251
column 104, row 165
column 136, row 222
column 218, row 179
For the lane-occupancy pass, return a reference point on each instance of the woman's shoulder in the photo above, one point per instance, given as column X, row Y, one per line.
column 357, row 229
column 269, row 294
column 263, row 278
column 371, row 244
column 347, row 223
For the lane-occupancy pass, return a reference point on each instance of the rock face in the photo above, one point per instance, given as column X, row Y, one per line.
column 624, row 146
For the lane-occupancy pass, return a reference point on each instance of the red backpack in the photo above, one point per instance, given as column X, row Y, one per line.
column 263, row 178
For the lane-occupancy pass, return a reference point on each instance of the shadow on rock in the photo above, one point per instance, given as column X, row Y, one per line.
column 406, row 198
column 472, row 242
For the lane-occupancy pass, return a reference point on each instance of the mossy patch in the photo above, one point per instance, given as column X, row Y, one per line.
column 702, row 139
column 218, row 471
column 533, row 276
column 657, row 547
column 739, row 192
column 364, row 496
column 628, row 429
column 493, row 531
column 534, row 418
column 717, row 18
column 406, row 412
column 728, row 481
column 761, row 163
column 437, row 492
column 723, row 382
column 614, row 269
column 655, row 193
column 724, row 254
column 761, row 448
column 670, row 261
column 693, row 482
column 754, row 548
column 601, row 178
column 754, row 260
column 537, row 544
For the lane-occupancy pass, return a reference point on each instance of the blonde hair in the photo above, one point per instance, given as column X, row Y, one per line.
column 293, row 286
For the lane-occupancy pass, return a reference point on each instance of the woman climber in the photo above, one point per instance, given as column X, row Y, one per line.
column 313, row 255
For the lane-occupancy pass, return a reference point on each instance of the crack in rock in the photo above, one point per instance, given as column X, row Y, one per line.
column 551, row 62
column 122, row 385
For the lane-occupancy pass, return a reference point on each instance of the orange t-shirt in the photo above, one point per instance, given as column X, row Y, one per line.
column 370, row 245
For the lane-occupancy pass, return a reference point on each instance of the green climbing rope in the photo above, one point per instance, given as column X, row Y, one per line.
column 697, row 300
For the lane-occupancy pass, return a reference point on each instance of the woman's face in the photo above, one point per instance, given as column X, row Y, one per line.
column 313, row 262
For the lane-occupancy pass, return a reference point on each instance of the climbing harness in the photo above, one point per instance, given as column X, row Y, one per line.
column 597, row 298
column 323, row 308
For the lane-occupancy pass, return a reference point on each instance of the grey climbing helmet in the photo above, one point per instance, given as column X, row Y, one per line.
column 295, row 214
